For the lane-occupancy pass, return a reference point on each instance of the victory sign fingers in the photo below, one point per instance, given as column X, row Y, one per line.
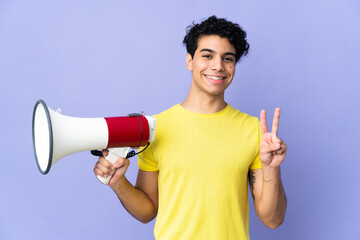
column 275, row 123
column 272, row 148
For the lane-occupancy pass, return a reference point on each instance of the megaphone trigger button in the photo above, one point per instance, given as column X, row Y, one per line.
column 96, row 153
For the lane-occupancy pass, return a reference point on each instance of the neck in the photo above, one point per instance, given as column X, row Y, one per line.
column 204, row 103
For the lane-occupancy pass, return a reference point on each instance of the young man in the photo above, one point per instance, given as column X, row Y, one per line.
column 194, row 176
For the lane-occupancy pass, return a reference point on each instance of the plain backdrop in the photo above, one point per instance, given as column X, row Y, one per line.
column 110, row 58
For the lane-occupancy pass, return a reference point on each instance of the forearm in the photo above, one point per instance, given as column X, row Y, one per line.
column 135, row 201
column 272, row 203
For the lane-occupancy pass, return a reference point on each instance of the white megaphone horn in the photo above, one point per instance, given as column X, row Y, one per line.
column 56, row 136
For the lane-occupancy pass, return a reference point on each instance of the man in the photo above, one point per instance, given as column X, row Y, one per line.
column 194, row 176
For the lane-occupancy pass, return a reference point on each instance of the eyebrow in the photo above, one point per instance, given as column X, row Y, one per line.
column 212, row 51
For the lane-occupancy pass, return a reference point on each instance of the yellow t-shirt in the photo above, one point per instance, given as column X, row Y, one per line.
column 203, row 162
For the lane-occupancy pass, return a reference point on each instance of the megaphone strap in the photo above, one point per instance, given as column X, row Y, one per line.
column 131, row 154
column 141, row 127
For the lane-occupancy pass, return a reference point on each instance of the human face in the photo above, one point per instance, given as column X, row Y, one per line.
column 213, row 65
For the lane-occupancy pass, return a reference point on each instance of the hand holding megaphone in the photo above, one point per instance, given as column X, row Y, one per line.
column 106, row 170
column 112, row 154
column 56, row 136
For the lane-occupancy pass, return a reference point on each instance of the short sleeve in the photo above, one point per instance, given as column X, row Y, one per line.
column 256, row 163
column 146, row 160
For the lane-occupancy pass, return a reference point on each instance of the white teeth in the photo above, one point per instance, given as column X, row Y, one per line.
column 215, row 78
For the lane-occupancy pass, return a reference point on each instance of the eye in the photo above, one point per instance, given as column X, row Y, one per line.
column 229, row 59
column 207, row 56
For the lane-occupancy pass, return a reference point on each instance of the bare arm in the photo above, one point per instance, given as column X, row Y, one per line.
column 141, row 200
column 265, row 184
column 269, row 196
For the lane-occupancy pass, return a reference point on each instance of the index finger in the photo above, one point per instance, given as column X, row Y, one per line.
column 263, row 124
column 275, row 124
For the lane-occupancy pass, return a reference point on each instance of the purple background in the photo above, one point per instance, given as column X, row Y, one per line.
column 110, row 58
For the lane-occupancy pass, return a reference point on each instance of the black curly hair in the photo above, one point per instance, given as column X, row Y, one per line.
column 220, row 27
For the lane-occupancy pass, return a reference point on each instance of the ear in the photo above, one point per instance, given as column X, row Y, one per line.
column 189, row 62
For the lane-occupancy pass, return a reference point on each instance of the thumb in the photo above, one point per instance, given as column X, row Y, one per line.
column 270, row 148
column 121, row 166
column 105, row 152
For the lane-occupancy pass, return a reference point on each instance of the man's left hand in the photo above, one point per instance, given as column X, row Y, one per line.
column 272, row 148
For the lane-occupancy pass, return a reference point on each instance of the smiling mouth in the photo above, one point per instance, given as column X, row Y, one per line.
column 216, row 78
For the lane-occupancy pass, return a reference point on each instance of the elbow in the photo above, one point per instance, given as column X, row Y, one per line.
column 145, row 221
column 272, row 220
column 273, row 227
column 274, row 224
column 147, row 215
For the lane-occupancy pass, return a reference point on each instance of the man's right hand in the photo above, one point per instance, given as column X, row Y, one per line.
column 105, row 168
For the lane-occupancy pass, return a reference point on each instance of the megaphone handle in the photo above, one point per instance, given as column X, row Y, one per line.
column 113, row 155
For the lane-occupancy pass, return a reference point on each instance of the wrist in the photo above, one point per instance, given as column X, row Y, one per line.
column 270, row 172
column 119, row 185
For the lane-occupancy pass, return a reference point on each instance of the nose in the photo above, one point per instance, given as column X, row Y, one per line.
column 217, row 64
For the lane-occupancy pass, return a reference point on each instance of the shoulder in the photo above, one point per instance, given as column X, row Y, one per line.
column 166, row 119
column 168, row 113
column 237, row 115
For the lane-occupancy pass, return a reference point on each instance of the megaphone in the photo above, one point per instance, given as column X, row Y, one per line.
column 56, row 136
